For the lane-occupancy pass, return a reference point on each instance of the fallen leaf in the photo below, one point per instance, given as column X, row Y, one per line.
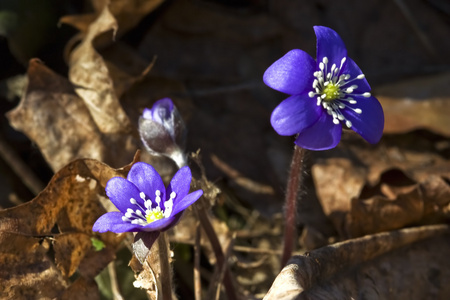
column 52, row 115
column 337, row 181
column 90, row 76
column 71, row 202
column 408, row 263
column 419, row 103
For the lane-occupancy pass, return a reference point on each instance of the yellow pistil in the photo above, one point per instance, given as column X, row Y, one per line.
column 331, row 92
column 154, row 215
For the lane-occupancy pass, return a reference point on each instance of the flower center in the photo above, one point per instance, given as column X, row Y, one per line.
column 333, row 92
column 144, row 216
column 153, row 216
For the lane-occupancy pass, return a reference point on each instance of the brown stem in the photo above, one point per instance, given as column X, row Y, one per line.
column 220, row 257
column 114, row 284
column 197, row 278
column 166, row 272
column 290, row 210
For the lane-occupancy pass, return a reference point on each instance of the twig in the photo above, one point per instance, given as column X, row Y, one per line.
column 166, row 272
column 114, row 285
column 215, row 244
column 219, row 272
column 197, row 275
column 290, row 211
column 20, row 168
column 262, row 251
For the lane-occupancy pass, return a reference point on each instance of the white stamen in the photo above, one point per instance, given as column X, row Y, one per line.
column 340, row 100
column 148, row 204
column 133, row 201
column 142, row 195
column 321, row 66
column 333, row 67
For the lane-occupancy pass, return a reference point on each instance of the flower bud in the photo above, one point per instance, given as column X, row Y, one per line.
column 163, row 131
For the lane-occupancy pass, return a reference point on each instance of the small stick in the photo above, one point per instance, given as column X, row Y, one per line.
column 114, row 285
column 219, row 272
column 197, row 275
column 215, row 244
column 290, row 210
column 166, row 272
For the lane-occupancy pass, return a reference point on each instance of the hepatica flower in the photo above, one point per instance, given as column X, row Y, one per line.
column 143, row 201
column 163, row 131
column 326, row 95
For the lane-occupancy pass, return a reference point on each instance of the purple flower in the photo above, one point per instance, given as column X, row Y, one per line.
column 144, row 203
column 163, row 131
column 325, row 94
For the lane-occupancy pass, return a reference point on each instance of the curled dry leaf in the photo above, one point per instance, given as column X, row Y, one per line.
column 337, row 182
column 417, row 103
column 56, row 119
column 71, row 202
column 127, row 12
column 397, row 201
column 384, row 187
column 90, row 76
column 53, row 116
column 405, row 264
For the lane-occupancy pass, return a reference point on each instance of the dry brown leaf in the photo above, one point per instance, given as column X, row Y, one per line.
column 337, row 181
column 397, row 201
column 384, row 187
column 56, row 119
column 70, row 249
column 81, row 289
column 421, row 103
column 128, row 14
column 90, row 76
column 403, row 264
column 71, row 201
column 26, row 270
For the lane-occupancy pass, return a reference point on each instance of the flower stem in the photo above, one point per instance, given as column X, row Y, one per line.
column 166, row 271
column 290, row 210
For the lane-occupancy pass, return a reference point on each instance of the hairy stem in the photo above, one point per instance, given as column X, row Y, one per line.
column 290, row 210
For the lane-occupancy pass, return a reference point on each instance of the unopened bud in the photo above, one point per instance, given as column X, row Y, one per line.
column 163, row 131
